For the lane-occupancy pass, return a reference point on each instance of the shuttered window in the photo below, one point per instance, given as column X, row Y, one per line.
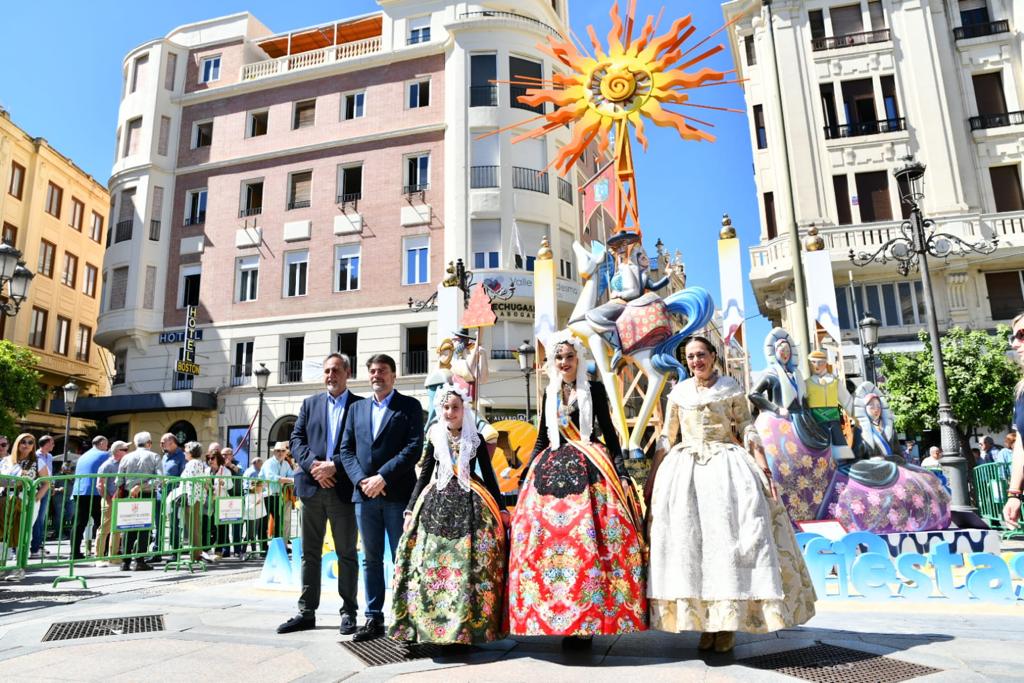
column 165, row 135
column 172, row 67
column 1006, row 188
column 842, row 189
column 139, row 72
column 132, row 135
column 300, row 189
column 156, row 209
column 149, row 292
column 305, row 113
column 118, row 288
column 873, row 196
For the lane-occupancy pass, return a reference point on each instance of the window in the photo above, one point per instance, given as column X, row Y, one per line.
column 83, row 343
column 417, row 173
column 1006, row 188
column 149, row 289
column 300, row 189
column 759, row 129
column 417, row 260
column 9, row 236
column 415, row 360
column 132, row 135
column 346, row 259
column 202, row 134
column 817, row 21
column 889, row 102
column 241, row 371
column 419, row 30
column 304, row 114
column 139, row 73
column 96, row 232
column 257, row 124
column 419, row 94
column 748, row 49
column 119, row 288
column 973, row 12
column 894, row 304
column 37, row 331
column 350, row 183
column 209, row 69
column 523, row 70
column 877, row 15
column 873, row 196
column 17, row 184
column 348, row 346
column 247, row 273
column 63, row 337
column 252, row 198
column 846, row 20
column 195, row 207
column 165, row 136
column 485, row 236
column 70, row 274
column 483, row 70
column 1005, row 294
column 172, row 67
column 828, row 108
column 120, row 366
column 188, row 286
column 354, row 105
column 769, row 215
column 296, row 269
column 47, row 252
column 526, row 240
column 89, row 283
column 294, row 354
column 156, row 210
column 125, row 216
column 988, row 93
column 842, row 189
column 54, row 199
column 77, row 214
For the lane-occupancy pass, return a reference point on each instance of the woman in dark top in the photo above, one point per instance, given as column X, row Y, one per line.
column 1011, row 510
column 577, row 559
column 450, row 569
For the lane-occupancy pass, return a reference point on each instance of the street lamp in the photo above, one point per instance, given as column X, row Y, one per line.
column 910, row 249
column 70, row 398
column 16, row 276
column 526, row 367
column 869, row 325
column 262, row 375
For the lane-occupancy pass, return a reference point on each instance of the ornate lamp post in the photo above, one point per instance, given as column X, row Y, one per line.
column 869, row 338
column 262, row 375
column 70, row 398
column 526, row 367
column 911, row 249
column 16, row 276
column 459, row 276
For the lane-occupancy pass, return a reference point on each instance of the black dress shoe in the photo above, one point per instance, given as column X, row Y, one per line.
column 371, row 630
column 348, row 624
column 126, row 565
column 141, row 566
column 299, row 622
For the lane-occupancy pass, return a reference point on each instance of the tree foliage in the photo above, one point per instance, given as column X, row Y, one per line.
column 980, row 377
column 19, row 385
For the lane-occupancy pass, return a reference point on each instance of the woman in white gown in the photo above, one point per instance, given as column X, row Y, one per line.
column 723, row 554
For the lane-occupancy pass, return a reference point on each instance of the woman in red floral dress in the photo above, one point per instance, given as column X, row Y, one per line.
column 577, row 562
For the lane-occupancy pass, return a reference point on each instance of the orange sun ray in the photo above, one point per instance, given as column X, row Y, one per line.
column 615, row 34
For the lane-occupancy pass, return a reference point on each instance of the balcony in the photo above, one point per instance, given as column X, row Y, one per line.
column 983, row 29
column 290, row 372
column 414, row 188
column 483, row 176
column 504, row 354
column 850, row 39
column 529, row 179
column 851, row 130
column 483, row 96
column 350, row 198
column 565, row 190
column 123, row 231
column 301, row 204
column 183, row 382
column 197, row 219
column 251, row 211
column 414, row 362
column 509, row 16
column 984, row 121
column 309, row 60
column 241, row 375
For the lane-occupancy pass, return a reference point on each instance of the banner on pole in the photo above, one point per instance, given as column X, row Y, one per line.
column 599, row 192
column 730, row 273
column 821, row 298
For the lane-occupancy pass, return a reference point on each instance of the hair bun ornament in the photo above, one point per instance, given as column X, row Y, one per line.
column 447, row 389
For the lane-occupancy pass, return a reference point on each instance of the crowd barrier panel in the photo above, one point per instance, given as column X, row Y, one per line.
column 991, row 482
column 192, row 520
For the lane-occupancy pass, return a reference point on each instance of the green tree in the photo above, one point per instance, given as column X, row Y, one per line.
column 980, row 376
column 19, row 385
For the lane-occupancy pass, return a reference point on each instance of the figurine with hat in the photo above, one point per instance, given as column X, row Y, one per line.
column 827, row 397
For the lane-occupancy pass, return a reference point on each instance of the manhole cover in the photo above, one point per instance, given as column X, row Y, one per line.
column 830, row 664
column 96, row 628
column 382, row 651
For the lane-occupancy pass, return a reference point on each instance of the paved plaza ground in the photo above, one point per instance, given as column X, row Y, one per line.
column 220, row 626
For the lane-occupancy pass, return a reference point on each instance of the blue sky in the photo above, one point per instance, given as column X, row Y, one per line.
column 61, row 81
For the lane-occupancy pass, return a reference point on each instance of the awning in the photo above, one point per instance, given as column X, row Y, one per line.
column 319, row 37
column 96, row 407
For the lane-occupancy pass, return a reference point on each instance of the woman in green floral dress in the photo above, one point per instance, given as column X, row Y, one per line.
column 450, row 570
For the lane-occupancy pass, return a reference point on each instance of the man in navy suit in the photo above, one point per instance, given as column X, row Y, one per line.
column 382, row 442
column 325, row 496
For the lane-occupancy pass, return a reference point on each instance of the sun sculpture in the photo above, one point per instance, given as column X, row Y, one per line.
column 602, row 96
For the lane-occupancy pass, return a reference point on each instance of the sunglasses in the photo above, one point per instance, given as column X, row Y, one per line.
column 28, row 442
column 1017, row 336
column 4, row 444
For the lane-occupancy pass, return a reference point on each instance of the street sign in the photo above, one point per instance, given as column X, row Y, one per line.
column 186, row 367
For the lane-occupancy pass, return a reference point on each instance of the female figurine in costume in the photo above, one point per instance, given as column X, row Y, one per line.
column 450, row 569
column 723, row 554
column 576, row 566
column 881, row 493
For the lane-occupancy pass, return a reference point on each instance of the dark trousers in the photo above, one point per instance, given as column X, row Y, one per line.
column 378, row 516
column 317, row 510
column 40, row 523
column 88, row 506
column 166, row 538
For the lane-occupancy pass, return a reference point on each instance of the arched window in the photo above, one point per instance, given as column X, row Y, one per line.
column 183, row 431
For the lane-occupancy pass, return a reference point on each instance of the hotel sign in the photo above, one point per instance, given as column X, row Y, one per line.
column 187, row 364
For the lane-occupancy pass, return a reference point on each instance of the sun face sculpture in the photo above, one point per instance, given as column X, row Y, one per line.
column 621, row 86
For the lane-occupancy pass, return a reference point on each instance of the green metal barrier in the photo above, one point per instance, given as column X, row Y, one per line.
column 193, row 520
column 991, row 481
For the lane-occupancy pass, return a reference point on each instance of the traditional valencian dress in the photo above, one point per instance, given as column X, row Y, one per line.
column 723, row 553
column 577, row 558
column 450, row 571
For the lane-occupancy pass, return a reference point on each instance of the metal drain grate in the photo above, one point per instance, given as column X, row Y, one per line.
column 96, row 628
column 381, row 651
column 830, row 664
